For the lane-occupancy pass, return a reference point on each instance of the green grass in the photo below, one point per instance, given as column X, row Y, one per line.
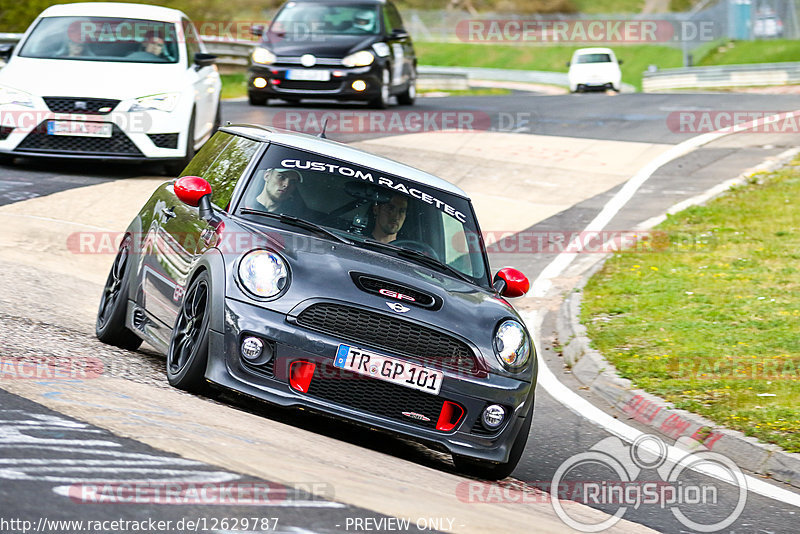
column 741, row 52
column 636, row 58
column 709, row 321
column 234, row 85
column 609, row 7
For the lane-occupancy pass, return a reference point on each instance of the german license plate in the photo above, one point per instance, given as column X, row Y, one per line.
column 308, row 75
column 392, row 370
column 79, row 128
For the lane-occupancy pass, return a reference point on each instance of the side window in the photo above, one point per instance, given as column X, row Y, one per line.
column 394, row 17
column 228, row 167
column 206, row 156
column 387, row 21
column 192, row 41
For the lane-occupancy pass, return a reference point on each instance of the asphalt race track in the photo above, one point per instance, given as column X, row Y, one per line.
column 60, row 438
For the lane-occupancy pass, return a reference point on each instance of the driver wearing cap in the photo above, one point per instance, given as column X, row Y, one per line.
column 280, row 185
column 389, row 218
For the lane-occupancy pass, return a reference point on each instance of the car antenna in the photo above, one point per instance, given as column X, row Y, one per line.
column 324, row 127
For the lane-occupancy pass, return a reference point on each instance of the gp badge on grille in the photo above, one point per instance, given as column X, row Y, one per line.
column 417, row 416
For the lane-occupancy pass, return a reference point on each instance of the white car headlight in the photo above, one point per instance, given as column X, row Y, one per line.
column 160, row 102
column 263, row 273
column 511, row 344
column 359, row 59
column 263, row 56
column 15, row 97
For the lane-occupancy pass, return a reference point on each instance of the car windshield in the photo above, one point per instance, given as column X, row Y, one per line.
column 102, row 39
column 368, row 207
column 302, row 19
column 593, row 58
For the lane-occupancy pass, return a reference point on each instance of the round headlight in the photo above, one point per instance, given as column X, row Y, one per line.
column 511, row 344
column 263, row 56
column 263, row 273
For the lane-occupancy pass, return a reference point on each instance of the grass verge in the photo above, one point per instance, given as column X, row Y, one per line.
column 636, row 58
column 234, row 85
column 710, row 322
column 742, row 52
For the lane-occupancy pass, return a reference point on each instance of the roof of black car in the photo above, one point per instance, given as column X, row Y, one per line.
column 332, row 149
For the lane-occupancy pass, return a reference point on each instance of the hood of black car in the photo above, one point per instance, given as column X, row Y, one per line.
column 327, row 46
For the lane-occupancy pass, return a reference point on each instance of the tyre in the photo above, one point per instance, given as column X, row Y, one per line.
column 382, row 100
column 492, row 470
column 256, row 99
column 188, row 348
column 110, row 324
column 174, row 168
column 407, row 97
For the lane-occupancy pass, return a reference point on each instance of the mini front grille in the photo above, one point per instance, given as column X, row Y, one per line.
column 370, row 284
column 94, row 106
column 375, row 396
column 390, row 334
column 168, row 140
column 5, row 131
column 118, row 144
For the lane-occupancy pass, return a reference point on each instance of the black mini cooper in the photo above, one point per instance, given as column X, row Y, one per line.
column 334, row 49
column 307, row 273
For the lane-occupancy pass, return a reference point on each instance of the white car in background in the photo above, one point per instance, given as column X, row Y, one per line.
column 109, row 81
column 594, row 68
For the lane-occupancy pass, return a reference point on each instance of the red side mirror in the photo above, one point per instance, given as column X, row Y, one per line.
column 190, row 189
column 512, row 283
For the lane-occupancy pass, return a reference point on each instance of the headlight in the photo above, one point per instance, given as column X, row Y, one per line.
column 161, row 102
column 263, row 56
column 16, row 97
column 359, row 59
column 263, row 273
column 511, row 344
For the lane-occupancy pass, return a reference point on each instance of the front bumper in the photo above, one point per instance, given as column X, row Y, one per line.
column 339, row 86
column 360, row 399
column 143, row 135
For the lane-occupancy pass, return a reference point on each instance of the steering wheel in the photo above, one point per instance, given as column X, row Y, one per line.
column 417, row 246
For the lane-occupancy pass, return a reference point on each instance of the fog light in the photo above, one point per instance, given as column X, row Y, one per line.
column 251, row 348
column 260, row 83
column 359, row 85
column 493, row 416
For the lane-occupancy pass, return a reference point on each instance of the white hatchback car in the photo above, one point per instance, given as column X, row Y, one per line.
column 594, row 68
column 110, row 81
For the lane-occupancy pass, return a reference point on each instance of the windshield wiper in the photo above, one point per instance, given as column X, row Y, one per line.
column 300, row 223
column 420, row 257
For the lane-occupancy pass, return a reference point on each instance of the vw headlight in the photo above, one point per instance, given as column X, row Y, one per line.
column 511, row 344
column 263, row 273
column 160, row 102
column 16, row 97
column 263, row 56
column 359, row 59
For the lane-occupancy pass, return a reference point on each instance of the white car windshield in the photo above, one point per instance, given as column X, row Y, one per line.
column 593, row 58
column 102, row 39
column 301, row 19
column 365, row 206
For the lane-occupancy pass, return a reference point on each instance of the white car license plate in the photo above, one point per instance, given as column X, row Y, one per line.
column 308, row 75
column 79, row 128
column 392, row 370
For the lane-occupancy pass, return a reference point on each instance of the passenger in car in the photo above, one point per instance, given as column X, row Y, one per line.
column 389, row 218
column 152, row 49
column 280, row 191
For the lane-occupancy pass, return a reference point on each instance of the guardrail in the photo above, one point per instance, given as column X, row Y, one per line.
column 721, row 76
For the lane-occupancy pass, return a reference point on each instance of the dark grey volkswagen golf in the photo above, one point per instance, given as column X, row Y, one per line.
column 310, row 274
